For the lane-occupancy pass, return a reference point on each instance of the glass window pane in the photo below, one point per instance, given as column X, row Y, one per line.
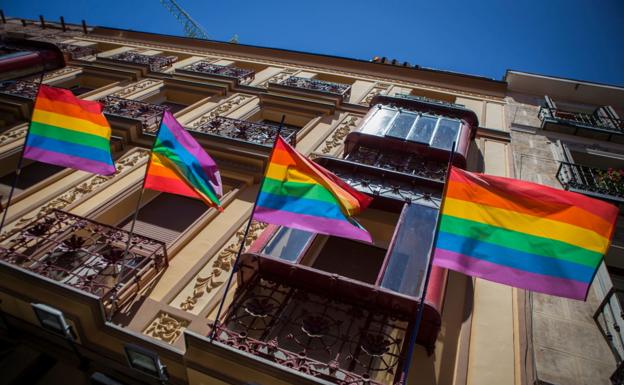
column 402, row 125
column 378, row 123
column 423, row 129
column 446, row 134
column 287, row 243
column 409, row 255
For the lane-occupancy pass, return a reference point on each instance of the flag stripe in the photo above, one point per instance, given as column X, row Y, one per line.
column 521, row 204
column 169, row 185
column 311, row 223
column 65, row 135
column 300, row 205
column 513, row 258
column 76, row 111
column 76, row 150
column 62, row 95
column 66, row 160
column 299, row 190
column 70, row 123
column 519, row 241
column 541, row 227
column 538, row 197
column 510, row 276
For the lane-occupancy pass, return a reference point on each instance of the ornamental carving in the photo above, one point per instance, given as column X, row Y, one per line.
column 378, row 89
column 278, row 78
column 336, row 139
column 13, row 135
column 136, row 87
column 221, row 265
column 91, row 185
column 222, row 109
column 166, row 327
column 60, row 72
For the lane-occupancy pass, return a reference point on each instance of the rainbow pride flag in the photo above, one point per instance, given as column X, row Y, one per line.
column 179, row 165
column 298, row 193
column 523, row 234
column 69, row 132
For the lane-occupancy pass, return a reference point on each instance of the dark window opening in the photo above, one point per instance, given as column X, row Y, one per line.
column 362, row 261
column 167, row 216
column 29, row 176
column 173, row 107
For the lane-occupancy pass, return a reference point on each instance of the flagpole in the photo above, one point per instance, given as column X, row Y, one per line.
column 242, row 244
column 18, row 171
column 421, row 305
column 134, row 218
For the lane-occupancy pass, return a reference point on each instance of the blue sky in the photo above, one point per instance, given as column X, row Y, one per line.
column 580, row 39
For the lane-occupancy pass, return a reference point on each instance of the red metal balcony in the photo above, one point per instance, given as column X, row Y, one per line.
column 86, row 255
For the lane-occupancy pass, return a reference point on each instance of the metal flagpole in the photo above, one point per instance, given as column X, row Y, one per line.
column 134, row 218
column 18, row 171
column 421, row 305
column 242, row 244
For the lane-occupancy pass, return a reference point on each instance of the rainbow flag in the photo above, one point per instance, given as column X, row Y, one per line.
column 69, row 132
column 523, row 234
column 298, row 193
column 179, row 165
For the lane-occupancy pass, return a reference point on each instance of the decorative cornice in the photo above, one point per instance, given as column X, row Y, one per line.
column 222, row 109
column 166, row 327
column 136, row 87
column 336, row 138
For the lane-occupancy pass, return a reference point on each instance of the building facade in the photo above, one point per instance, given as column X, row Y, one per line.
column 304, row 308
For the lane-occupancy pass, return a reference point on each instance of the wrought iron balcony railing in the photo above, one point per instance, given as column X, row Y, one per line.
column 86, row 255
column 244, row 76
column 605, row 184
column 610, row 320
column 155, row 63
column 148, row 114
column 341, row 89
column 259, row 133
column 76, row 51
column 20, row 88
column 582, row 120
column 316, row 335
column 406, row 163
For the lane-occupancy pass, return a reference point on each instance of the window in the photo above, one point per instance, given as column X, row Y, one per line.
column 288, row 243
column 409, row 254
column 30, row 175
column 435, row 131
column 362, row 262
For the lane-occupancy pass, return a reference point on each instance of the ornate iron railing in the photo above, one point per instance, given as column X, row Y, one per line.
column 610, row 320
column 606, row 184
column 259, row 133
column 584, row 120
column 407, row 163
column 148, row 114
column 20, row 88
column 341, row 89
column 76, row 51
column 316, row 335
column 86, row 255
column 243, row 75
column 155, row 63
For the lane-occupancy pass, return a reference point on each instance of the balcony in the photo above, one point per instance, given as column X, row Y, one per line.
column 242, row 130
column 148, row 114
column 340, row 89
column 76, row 51
column 610, row 320
column 242, row 75
column 592, row 181
column 156, row 63
column 552, row 118
column 318, row 335
column 20, row 88
column 87, row 256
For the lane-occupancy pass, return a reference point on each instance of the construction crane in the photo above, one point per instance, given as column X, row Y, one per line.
column 191, row 27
